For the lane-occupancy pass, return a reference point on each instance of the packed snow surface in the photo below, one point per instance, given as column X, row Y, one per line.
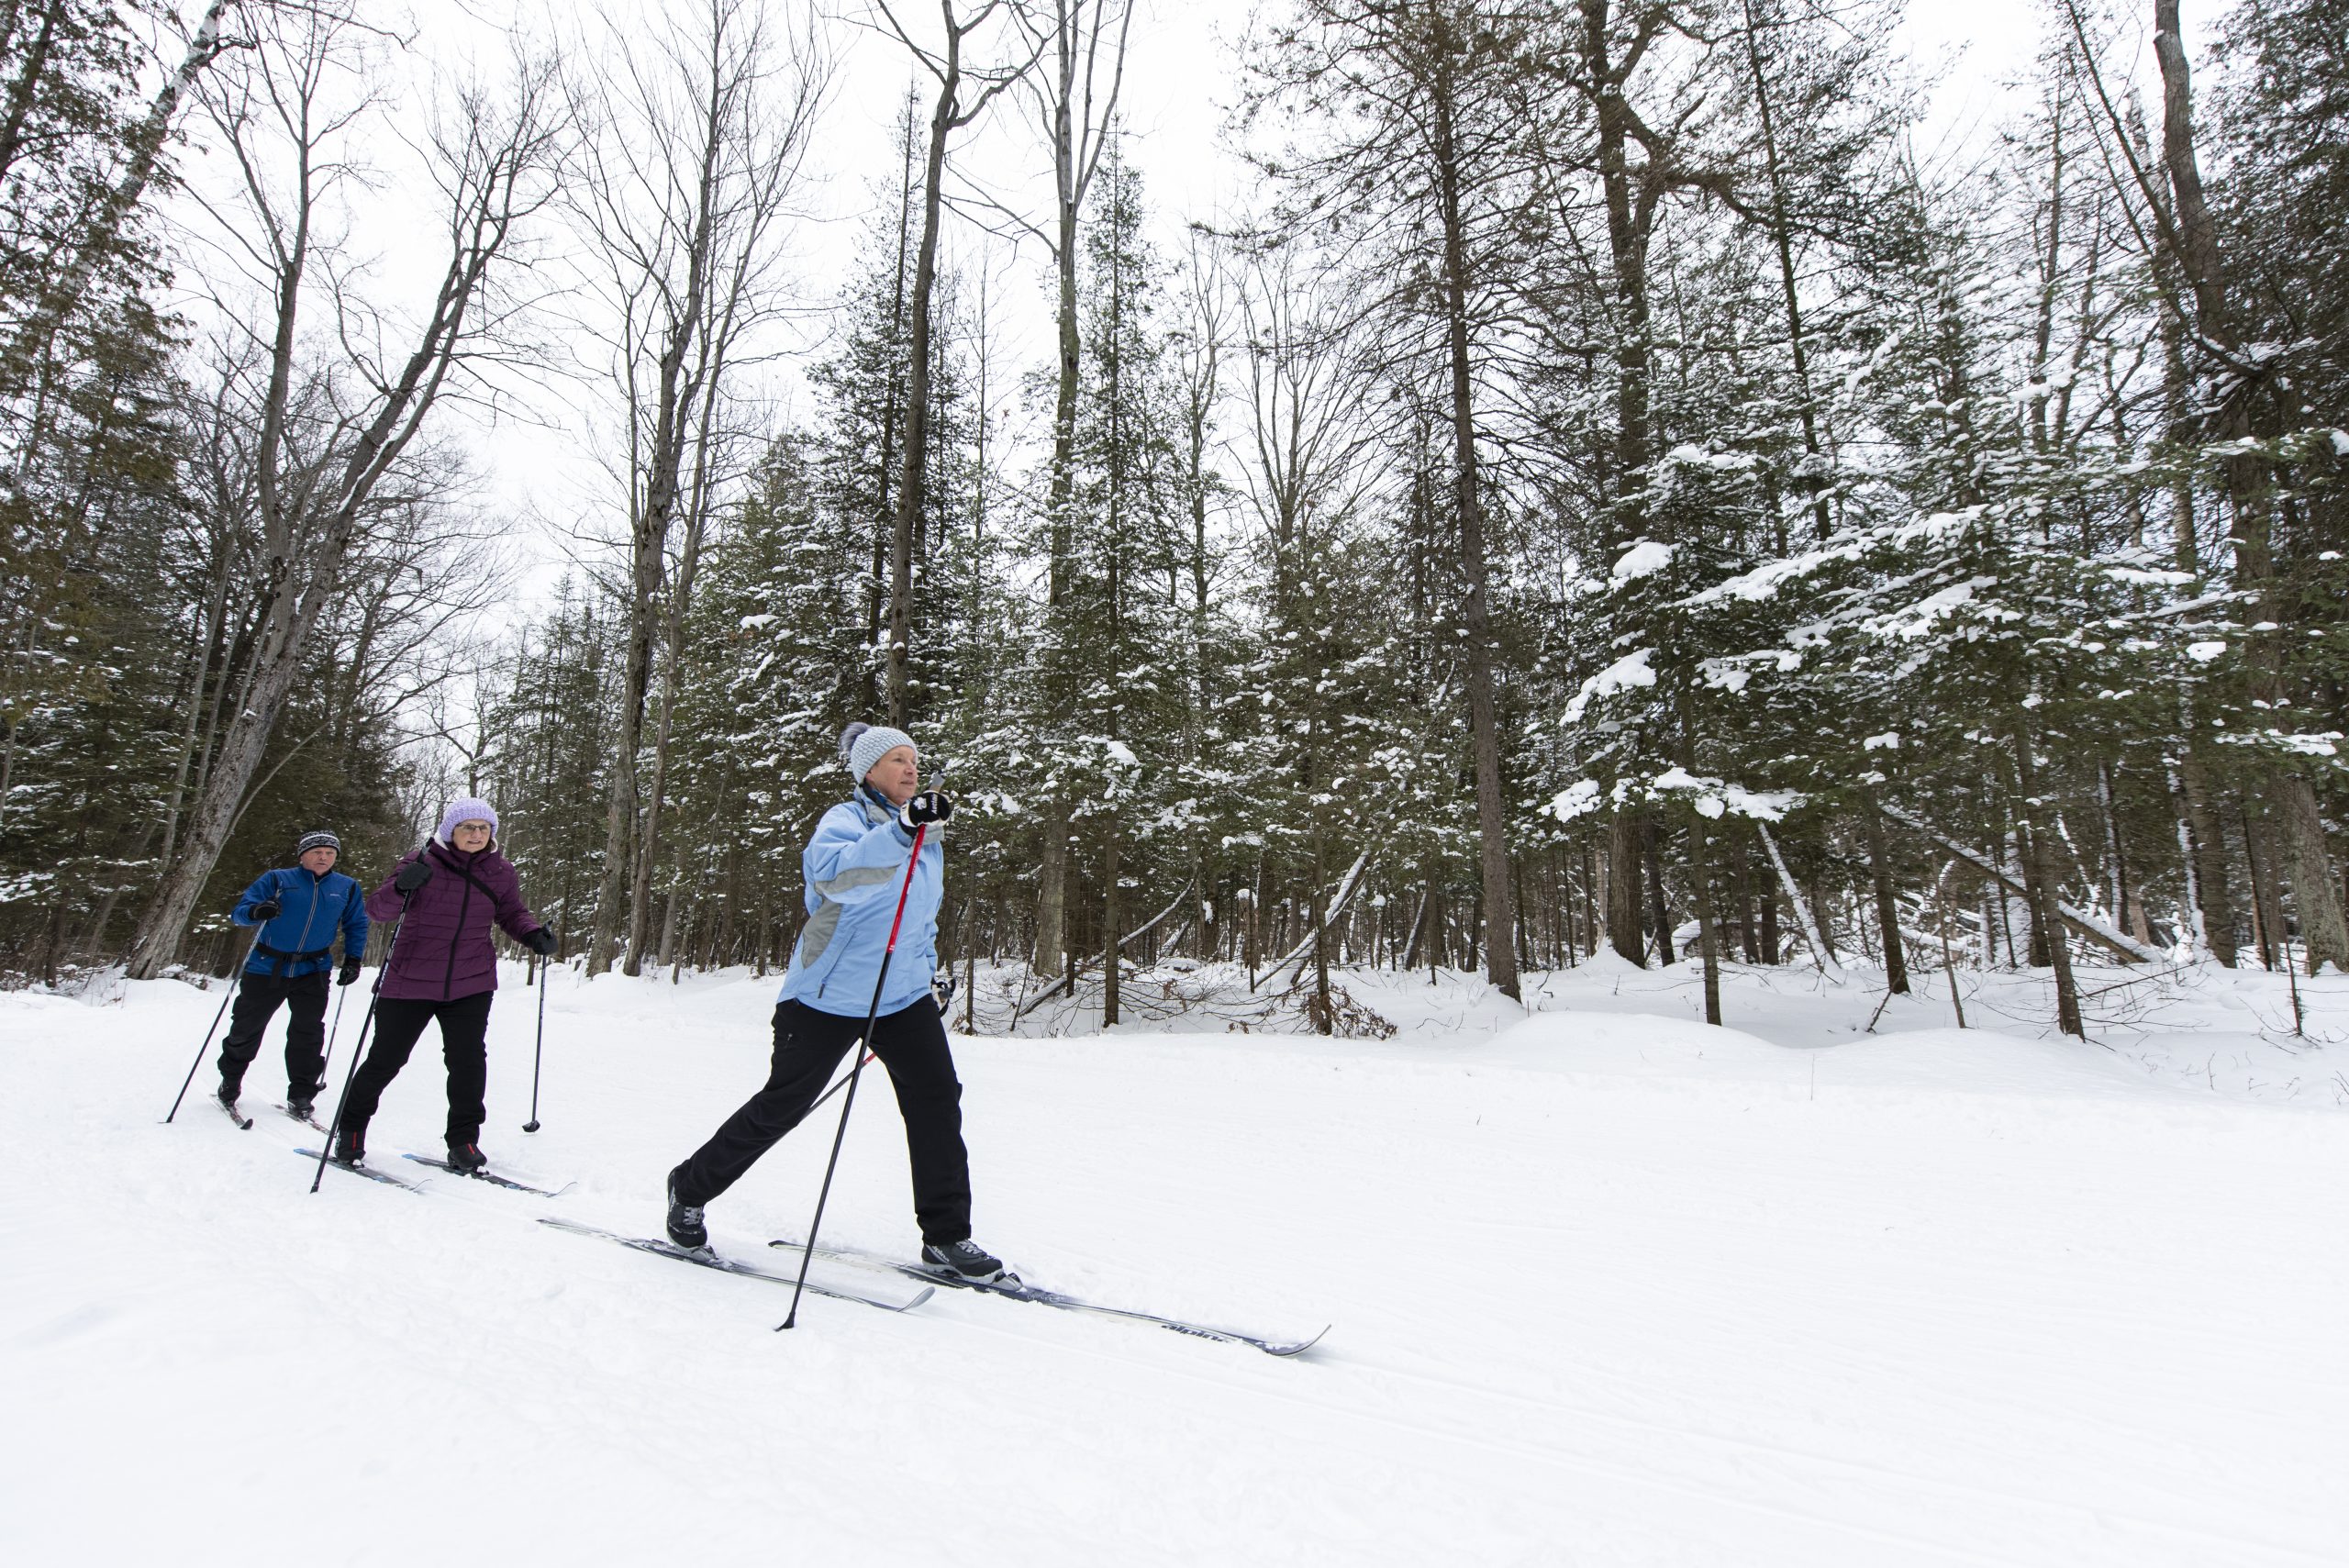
column 1608, row 1287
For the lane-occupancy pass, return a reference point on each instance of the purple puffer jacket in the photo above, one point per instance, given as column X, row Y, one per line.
column 443, row 950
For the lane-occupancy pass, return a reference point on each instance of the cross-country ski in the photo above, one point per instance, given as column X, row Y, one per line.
column 703, row 1257
column 1012, row 1288
column 491, row 1177
column 384, row 1177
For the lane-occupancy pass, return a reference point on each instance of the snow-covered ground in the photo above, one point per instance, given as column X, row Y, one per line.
column 1609, row 1287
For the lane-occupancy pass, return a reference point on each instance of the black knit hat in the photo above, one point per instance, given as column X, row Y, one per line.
column 318, row 841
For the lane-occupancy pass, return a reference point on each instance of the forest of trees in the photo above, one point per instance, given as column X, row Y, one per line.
column 1612, row 485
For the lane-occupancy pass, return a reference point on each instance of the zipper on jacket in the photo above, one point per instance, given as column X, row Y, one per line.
column 310, row 914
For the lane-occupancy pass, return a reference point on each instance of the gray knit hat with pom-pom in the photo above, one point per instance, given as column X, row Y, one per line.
column 864, row 745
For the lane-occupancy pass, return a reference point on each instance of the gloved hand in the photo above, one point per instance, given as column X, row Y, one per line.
column 413, row 875
column 348, row 973
column 942, row 986
column 267, row 909
column 930, row 806
column 541, row 942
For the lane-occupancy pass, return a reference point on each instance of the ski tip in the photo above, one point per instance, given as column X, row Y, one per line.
column 1300, row 1347
column 927, row 1292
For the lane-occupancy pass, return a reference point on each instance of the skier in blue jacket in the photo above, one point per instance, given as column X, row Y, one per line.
column 299, row 909
column 854, row 866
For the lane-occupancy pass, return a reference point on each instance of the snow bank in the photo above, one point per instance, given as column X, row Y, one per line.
column 1609, row 1287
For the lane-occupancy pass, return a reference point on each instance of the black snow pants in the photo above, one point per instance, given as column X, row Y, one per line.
column 808, row 1044
column 399, row 1024
column 258, row 996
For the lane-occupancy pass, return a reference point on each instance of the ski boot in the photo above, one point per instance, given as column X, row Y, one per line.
column 685, row 1227
column 350, row 1144
column 466, row 1158
column 965, row 1259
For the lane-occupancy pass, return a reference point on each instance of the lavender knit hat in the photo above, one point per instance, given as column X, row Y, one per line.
column 465, row 811
column 864, row 745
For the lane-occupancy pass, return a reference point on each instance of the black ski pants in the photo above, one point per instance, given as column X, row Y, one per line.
column 258, row 995
column 808, row 1044
column 399, row 1024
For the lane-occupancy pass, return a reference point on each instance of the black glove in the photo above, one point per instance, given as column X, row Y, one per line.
column 348, row 973
column 541, row 942
column 930, row 806
column 942, row 987
column 267, row 909
column 413, row 875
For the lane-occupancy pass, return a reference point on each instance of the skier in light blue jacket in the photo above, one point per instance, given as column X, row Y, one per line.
column 854, row 867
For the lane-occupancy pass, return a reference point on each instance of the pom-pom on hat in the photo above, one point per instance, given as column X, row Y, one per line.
column 465, row 811
column 322, row 840
column 864, row 745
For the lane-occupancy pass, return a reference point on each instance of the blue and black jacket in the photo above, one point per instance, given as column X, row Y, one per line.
column 300, row 940
column 854, row 866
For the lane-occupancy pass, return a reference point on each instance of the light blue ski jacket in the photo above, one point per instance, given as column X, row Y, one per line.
column 854, row 868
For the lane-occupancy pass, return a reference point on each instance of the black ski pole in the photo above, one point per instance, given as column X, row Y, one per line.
column 870, row 1014
column 375, row 994
column 234, row 980
column 539, row 1054
column 334, row 1032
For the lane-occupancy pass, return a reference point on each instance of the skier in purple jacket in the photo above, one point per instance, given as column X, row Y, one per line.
column 442, row 966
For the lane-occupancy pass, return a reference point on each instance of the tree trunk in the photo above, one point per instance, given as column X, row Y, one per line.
column 1626, row 927
column 1109, row 968
column 2039, row 887
column 1812, row 477
column 1052, row 893
column 913, row 472
column 1822, row 954
column 2315, row 889
column 1700, row 873
column 1888, row 913
column 1651, row 846
column 2266, row 911
column 1484, row 724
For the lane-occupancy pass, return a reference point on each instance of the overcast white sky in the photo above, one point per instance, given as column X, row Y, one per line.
column 1180, row 81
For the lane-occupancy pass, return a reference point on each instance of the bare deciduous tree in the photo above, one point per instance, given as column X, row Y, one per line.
column 951, row 113
column 329, row 437
column 1075, row 99
column 683, row 191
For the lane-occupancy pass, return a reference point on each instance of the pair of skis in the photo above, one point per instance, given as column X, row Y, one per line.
column 245, row 1123
column 492, row 1177
column 1009, row 1286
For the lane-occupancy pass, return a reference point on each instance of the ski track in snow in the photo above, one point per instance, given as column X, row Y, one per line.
column 1608, row 1288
